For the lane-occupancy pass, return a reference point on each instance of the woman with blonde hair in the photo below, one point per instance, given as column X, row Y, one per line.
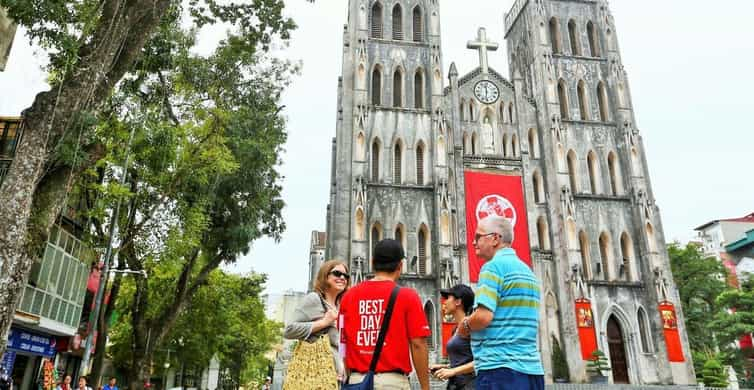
column 315, row 318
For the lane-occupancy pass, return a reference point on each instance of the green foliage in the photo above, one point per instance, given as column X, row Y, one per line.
column 714, row 374
column 699, row 280
column 559, row 362
column 731, row 324
column 597, row 364
column 226, row 319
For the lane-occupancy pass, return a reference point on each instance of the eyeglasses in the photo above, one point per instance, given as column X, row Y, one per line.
column 477, row 236
column 339, row 274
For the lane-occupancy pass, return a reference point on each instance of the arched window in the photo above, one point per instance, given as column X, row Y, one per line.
column 376, row 160
column 605, row 256
column 429, row 312
column 651, row 243
column 418, row 25
column 555, row 36
column 591, row 161
column 397, row 162
column 539, row 192
column 602, row 99
column 466, row 144
column 533, row 143
column 398, row 88
column 510, row 113
column 471, row 110
column 360, row 147
column 573, row 35
column 563, row 99
column 543, row 234
column 376, row 25
column 376, row 236
column 474, row 144
column 505, row 145
column 644, row 332
column 377, row 86
column 573, row 237
column 573, row 171
column 423, row 244
column 420, row 164
column 583, row 101
column 612, row 165
column 400, row 234
column 594, row 45
column 514, row 145
column 586, row 264
column 627, row 250
column 462, row 110
column 419, row 89
column 360, row 224
column 397, row 23
column 503, row 117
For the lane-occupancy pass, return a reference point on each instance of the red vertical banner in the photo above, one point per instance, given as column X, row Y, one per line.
column 585, row 326
column 670, row 328
column 500, row 194
column 447, row 332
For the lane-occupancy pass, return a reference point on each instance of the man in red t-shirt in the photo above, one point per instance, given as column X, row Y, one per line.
column 361, row 311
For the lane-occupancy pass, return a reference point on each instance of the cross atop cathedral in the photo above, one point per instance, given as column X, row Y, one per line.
column 482, row 45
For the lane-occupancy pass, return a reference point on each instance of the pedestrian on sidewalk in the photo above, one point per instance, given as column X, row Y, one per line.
column 505, row 324
column 459, row 300
column 362, row 310
column 316, row 317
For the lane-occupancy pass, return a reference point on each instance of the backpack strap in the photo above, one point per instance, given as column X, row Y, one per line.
column 384, row 328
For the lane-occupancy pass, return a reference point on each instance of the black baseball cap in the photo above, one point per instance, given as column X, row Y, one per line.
column 388, row 251
column 462, row 292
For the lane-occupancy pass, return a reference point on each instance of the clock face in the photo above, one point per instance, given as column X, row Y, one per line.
column 486, row 92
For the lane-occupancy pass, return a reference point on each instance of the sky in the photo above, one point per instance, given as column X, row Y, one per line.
column 689, row 69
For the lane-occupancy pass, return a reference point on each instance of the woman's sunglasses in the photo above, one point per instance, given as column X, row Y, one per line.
column 339, row 274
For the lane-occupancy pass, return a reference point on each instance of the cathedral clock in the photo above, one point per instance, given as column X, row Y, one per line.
column 486, row 92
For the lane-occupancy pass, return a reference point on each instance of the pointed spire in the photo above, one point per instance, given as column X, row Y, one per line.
column 453, row 70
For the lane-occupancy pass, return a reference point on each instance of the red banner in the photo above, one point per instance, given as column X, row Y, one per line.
column 670, row 328
column 447, row 333
column 487, row 194
column 585, row 325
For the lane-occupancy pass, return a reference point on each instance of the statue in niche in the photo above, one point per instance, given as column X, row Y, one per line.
column 488, row 135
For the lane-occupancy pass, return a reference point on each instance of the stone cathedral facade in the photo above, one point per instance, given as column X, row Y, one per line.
column 562, row 121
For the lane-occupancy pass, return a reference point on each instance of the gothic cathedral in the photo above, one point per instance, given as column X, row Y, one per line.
column 554, row 147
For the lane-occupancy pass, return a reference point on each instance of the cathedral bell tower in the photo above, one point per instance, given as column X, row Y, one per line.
column 388, row 153
column 608, row 259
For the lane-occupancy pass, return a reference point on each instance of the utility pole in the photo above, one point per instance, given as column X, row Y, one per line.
column 84, row 369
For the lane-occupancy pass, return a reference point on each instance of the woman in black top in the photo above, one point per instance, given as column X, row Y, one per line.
column 459, row 301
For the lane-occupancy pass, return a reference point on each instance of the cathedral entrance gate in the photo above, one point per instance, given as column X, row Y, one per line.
column 618, row 361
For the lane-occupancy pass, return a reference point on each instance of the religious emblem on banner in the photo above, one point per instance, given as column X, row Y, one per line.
column 668, row 319
column 497, row 205
column 584, row 317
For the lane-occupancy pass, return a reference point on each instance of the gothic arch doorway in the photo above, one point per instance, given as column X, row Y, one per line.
column 617, row 348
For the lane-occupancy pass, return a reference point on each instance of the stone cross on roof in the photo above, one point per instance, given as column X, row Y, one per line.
column 482, row 45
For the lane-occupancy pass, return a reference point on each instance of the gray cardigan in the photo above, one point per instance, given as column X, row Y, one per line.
column 300, row 328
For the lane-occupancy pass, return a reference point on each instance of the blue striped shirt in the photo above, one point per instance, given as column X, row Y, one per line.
column 509, row 289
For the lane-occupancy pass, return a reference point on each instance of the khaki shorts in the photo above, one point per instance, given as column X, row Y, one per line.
column 384, row 381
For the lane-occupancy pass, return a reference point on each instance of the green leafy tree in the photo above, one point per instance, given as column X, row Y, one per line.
column 737, row 320
column 714, row 374
column 699, row 280
column 92, row 45
column 559, row 362
column 226, row 319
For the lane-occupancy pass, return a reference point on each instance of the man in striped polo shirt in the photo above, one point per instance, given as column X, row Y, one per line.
column 505, row 321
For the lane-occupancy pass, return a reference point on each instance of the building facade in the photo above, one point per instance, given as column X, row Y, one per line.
column 562, row 125
column 317, row 247
column 47, row 326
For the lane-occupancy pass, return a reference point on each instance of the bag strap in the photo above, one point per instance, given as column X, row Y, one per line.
column 384, row 328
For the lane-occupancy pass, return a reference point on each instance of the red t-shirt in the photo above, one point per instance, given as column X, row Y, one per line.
column 361, row 312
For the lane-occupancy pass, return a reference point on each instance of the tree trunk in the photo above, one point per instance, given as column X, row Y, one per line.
column 115, row 44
